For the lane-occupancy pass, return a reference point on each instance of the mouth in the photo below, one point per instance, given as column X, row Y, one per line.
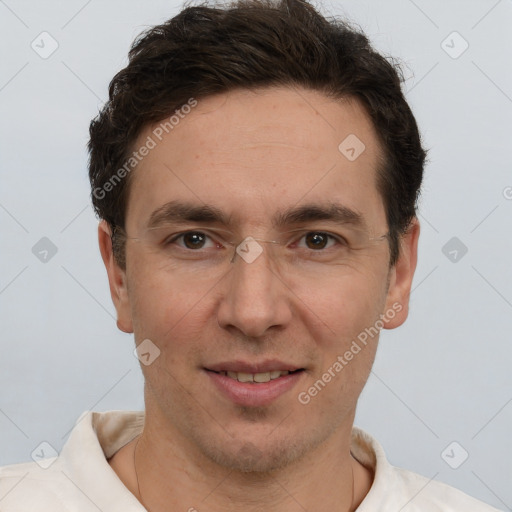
column 257, row 378
column 250, row 385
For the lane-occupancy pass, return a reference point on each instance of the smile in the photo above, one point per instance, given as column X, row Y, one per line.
column 255, row 377
column 259, row 387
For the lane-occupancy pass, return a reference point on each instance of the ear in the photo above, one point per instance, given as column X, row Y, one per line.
column 116, row 279
column 400, row 278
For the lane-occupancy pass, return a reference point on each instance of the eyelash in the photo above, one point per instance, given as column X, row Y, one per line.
column 331, row 237
column 174, row 238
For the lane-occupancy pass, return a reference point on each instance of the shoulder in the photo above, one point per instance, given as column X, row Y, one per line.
column 80, row 478
column 399, row 489
column 27, row 486
column 424, row 494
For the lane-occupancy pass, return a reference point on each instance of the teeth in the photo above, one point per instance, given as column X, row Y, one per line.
column 262, row 377
column 245, row 377
column 256, row 377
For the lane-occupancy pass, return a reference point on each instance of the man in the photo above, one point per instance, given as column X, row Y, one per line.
column 256, row 172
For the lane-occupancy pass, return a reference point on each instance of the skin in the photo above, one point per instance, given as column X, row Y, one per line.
column 253, row 154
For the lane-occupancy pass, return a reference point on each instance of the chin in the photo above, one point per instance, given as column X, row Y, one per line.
column 261, row 451
column 249, row 458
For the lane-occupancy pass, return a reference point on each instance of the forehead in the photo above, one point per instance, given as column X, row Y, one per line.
column 254, row 153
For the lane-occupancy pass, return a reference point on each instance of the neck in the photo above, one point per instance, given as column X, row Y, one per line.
column 166, row 476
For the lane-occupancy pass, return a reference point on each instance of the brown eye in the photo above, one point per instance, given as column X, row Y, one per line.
column 194, row 240
column 316, row 240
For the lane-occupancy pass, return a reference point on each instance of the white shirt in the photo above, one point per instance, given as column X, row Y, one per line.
column 80, row 478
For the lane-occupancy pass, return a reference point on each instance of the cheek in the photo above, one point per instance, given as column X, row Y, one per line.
column 164, row 305
column 349, row 310
column 345, row 305
column 346, row 358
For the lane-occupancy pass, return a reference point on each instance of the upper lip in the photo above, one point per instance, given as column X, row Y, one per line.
column 245, row 367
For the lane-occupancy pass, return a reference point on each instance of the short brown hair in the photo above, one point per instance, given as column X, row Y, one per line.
column 249, row 44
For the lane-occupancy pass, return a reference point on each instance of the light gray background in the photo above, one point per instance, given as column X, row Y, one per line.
column 443, row 377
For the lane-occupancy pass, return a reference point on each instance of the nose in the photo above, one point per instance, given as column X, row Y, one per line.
column 255, row 300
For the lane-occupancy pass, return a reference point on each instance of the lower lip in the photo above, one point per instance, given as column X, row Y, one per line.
column 254, row 394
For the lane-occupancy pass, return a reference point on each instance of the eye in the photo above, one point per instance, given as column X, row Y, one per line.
column 317, row 240
column 193, row 240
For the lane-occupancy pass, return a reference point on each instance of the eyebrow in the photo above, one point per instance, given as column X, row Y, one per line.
column 179, row 212
column 333, row 212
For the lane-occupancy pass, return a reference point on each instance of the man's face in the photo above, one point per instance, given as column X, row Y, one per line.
column 265, row 165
